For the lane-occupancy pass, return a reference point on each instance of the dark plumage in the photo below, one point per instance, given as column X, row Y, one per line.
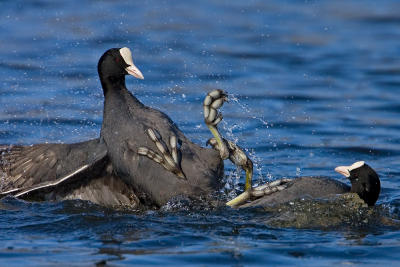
column 143, row 158
column 63, row 171
column 111, row 173
column 125, row 122
column 364, row 181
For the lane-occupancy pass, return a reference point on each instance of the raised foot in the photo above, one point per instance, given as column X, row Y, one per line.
column 212, row 102
column 169, row 160
column 259, row 192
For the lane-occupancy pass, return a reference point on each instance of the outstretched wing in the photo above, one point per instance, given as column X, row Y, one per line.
column 27, row 168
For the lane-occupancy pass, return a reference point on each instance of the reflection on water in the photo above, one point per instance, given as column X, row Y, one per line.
column 315, row 85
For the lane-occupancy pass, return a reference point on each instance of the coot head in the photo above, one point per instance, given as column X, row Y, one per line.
column 364, row 181
column 117, row 62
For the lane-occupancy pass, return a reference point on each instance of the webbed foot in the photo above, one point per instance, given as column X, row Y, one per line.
column 169, row 160
column 212, row 102
column 258, row 192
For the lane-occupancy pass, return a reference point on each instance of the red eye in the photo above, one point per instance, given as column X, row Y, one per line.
column 117, row 60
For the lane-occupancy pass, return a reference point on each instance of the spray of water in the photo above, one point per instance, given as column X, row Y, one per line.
column 232, row 179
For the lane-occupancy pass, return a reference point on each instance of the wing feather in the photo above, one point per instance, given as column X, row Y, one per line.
column 27, row 168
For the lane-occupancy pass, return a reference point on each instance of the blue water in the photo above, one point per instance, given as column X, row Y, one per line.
column 313, row 84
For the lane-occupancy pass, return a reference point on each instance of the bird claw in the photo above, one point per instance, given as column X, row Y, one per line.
column 212, row 102
column 169, row 160
column 260, row 191
column 269, row 188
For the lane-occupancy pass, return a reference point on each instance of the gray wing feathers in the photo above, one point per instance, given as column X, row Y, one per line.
column 106, row 190
column 58, row 172
column 51, row 183
column 27, row 168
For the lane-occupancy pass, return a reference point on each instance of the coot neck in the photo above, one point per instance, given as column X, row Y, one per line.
column 114, row 87
column 112, row 83
column 368, row 192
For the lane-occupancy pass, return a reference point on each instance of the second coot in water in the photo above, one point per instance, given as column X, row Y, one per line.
column 364, row 181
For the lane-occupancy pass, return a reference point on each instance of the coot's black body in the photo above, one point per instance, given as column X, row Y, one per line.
column 125, row 122
column 302, row 187
column 364, row 181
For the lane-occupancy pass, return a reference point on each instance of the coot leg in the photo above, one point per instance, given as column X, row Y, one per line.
column 227, row 149
column 237, row 157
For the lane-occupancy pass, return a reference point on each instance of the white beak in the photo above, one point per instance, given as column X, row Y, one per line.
column 131, row 69
column 134, row 71
column 345, row 170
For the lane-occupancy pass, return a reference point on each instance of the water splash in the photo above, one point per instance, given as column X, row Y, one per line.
column 232, row 180
column 246, row 109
